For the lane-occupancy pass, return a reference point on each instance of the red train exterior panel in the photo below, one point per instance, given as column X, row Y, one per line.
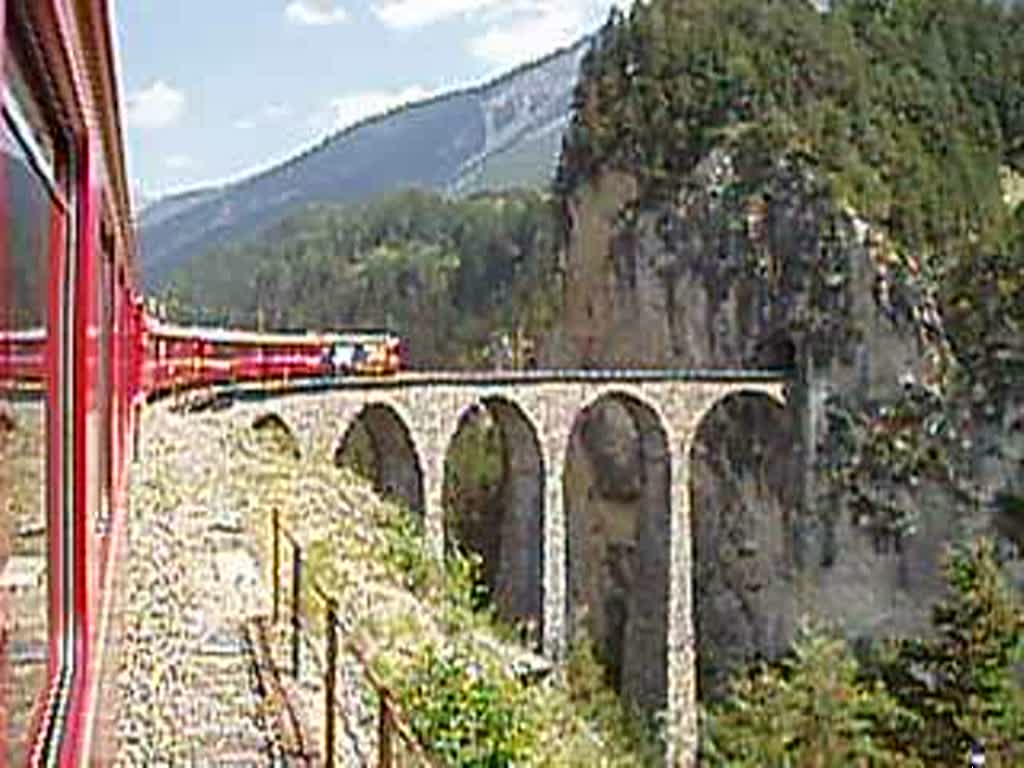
column 78, row 357
column 68, row 374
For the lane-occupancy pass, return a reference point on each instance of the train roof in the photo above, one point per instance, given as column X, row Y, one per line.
column 28, row 334
column 234, row 336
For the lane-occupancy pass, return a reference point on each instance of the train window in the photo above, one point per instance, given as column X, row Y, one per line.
column 28, row 211
column 104, row 378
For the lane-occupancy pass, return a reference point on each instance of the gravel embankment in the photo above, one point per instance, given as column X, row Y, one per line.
column 199, row 569
column 203, row 475
column 185, row 681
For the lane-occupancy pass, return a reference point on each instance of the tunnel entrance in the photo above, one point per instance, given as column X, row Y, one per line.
column 744, row 490
column 274, row 436
column 618, row 513
column 378, row 446
column 493, row 501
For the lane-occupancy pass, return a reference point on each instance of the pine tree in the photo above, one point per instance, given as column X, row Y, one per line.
column 814, row 710
column 963, row 685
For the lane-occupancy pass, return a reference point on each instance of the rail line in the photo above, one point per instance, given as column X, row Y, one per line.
column 211, row 394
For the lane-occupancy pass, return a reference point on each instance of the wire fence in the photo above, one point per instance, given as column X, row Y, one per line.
column 397, row 746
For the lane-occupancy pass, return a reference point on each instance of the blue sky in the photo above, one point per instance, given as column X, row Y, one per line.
column 215, row 89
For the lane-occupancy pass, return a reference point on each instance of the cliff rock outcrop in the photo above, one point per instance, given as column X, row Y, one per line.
column 755, row 264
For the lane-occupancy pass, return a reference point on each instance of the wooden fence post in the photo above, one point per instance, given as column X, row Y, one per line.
column 277, row 563
column 296, row 604
column 384, row 735
column 332, row 659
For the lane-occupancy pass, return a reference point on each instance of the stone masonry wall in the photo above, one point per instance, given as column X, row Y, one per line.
column 431, row 415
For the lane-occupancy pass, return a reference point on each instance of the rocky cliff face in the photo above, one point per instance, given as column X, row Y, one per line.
column 754, row 264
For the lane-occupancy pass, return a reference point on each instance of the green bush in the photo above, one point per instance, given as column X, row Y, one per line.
column 405, row 551
column 598, row 703
column 467, row 709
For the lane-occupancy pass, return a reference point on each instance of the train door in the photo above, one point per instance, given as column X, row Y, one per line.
column 105, row 568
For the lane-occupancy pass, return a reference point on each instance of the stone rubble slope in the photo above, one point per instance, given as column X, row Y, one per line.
column 184, row 680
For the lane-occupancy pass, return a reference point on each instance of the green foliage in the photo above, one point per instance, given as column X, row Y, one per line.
column 594, row 698
column 469, row 710
column 900, row 89
column 984, row 302
column 443, row 274
column 964, row 684
column 812, row 710
column 405, row 553
column 913, row 703
column 464, row 704
column 873, row 453
column 467, row 594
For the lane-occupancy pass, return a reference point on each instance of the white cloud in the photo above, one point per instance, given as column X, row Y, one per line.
column 178, row 162
column 353, row 107
column 528, row 29
column 315, row 13
column 155, row 106
column 267, row 114
column 276, row 111
column 513, row 31
column 527, row 38
column 404, row 14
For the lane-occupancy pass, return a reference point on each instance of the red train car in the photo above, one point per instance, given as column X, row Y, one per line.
column 22, row 358
column 68, row 378
column 179, row 357
column 77, row 356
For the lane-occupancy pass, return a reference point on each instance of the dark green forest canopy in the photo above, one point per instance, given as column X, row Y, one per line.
column 444, row 274
column 907, row 108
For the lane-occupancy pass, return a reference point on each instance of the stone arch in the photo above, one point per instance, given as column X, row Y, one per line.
column 618, row 507
column 509, row 531
column 274, row 434
column 393, row 465
column 744, row 504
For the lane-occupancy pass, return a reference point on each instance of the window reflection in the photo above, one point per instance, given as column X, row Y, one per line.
column 25, row 223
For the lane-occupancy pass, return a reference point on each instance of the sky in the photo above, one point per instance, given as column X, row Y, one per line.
column 214, row 90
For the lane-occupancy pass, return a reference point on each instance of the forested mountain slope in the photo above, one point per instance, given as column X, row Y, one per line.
column 505, row 133
column 443, row 273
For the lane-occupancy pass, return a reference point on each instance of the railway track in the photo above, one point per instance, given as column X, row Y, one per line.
column 190, row 681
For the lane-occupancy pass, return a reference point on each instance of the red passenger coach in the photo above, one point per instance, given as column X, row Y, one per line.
column 69, row 379
column 180, row 357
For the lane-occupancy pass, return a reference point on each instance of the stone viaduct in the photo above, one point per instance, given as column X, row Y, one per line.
column 412, row 419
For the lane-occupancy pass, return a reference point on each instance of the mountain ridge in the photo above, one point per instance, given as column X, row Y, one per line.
column 448, row 143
